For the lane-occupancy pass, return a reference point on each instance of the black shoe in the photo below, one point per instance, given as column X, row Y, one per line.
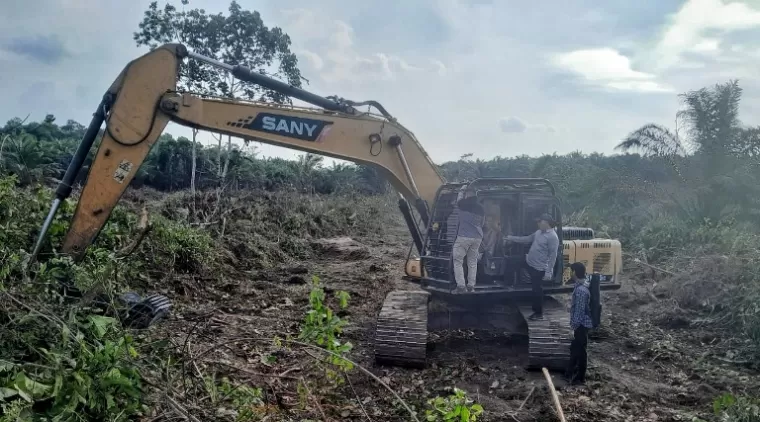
column 578, row 382
column 536, row 317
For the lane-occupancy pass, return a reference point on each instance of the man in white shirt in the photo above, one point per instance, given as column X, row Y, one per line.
column 540, row 260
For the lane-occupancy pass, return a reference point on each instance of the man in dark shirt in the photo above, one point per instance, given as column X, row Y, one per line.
column 580, row 322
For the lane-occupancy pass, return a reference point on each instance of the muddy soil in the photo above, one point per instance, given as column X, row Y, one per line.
column 647, row 362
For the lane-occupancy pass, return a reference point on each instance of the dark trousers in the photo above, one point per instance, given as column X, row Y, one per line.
column 536, row 278
column 576, row 371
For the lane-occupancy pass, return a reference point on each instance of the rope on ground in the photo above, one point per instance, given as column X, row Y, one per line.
column 555, row 398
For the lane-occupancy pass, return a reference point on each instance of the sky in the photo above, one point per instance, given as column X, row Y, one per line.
column 481, row 77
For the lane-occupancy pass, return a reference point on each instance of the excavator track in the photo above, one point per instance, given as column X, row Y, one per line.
column 549, row 338
column 402, row 328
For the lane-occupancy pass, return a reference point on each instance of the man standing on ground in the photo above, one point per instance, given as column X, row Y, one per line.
column 580, row 322
column 540, row 260
column 469, row 237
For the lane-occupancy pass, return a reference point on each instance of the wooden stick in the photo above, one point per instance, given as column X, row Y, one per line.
column 358, row 399
column 526, row 399
column 554, row 395
column 316, row 401
column 640, row 262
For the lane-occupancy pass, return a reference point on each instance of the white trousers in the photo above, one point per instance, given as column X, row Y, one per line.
column 469, row 247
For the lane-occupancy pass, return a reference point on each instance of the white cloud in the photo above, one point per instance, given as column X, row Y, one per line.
column 403, row 65
column 441, row 68
column 514, row 124
column 707, row 45
column 337, row 58
column 608, row 68
column 543, row 128
column 687, row 29
column 315, row 61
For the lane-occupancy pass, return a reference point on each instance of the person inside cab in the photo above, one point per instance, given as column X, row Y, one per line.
column 469, row 237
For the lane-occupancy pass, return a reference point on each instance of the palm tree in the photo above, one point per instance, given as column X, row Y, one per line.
column 308, row 164
column 29, row 159
column 715, row 142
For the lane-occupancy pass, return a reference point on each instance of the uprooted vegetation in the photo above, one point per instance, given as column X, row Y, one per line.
column 67, row 361
column 71, row 362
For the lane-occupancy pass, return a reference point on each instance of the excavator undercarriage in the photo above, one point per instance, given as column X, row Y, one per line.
column 407, row 316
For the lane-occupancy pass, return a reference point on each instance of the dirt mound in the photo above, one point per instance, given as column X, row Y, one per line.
column 341, row 247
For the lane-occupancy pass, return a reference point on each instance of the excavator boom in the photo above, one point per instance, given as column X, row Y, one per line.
column 144, row 99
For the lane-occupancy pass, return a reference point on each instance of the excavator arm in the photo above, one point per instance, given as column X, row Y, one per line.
column 143, row 100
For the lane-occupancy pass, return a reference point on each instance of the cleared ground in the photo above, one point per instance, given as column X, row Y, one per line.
column 649, row 361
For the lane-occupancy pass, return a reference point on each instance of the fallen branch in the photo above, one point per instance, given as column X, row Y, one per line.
column 181, row 410
column 526, row 399
column 638, row 261
column 316, row 401
column 254, row 373
column 555, row 398
column 513, row 415
column 294, row 369
column 358, row 399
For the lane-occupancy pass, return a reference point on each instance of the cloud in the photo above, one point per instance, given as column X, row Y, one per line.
column 608, row 68
column 689, row 27
column 45, row 49
column 314, row 60
column 441, row 68
column 512, row 125
column 543, row 128
column 707, row 45
column 333, row 53
column 403, row 65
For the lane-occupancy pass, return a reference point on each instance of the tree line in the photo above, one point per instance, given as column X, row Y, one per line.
column 704, row 170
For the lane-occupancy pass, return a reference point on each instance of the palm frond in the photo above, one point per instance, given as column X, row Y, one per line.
column 652, row 140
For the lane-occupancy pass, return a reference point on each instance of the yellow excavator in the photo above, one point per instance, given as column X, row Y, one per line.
column 144, row 99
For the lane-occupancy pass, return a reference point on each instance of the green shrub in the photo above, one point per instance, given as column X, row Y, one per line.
column 179, row 247
column 456, row 407
column 61, row 362
column 86, row 372
column 730, row 408
column 323, row 328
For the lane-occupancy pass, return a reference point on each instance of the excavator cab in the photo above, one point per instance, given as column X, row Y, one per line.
column 511, row 208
